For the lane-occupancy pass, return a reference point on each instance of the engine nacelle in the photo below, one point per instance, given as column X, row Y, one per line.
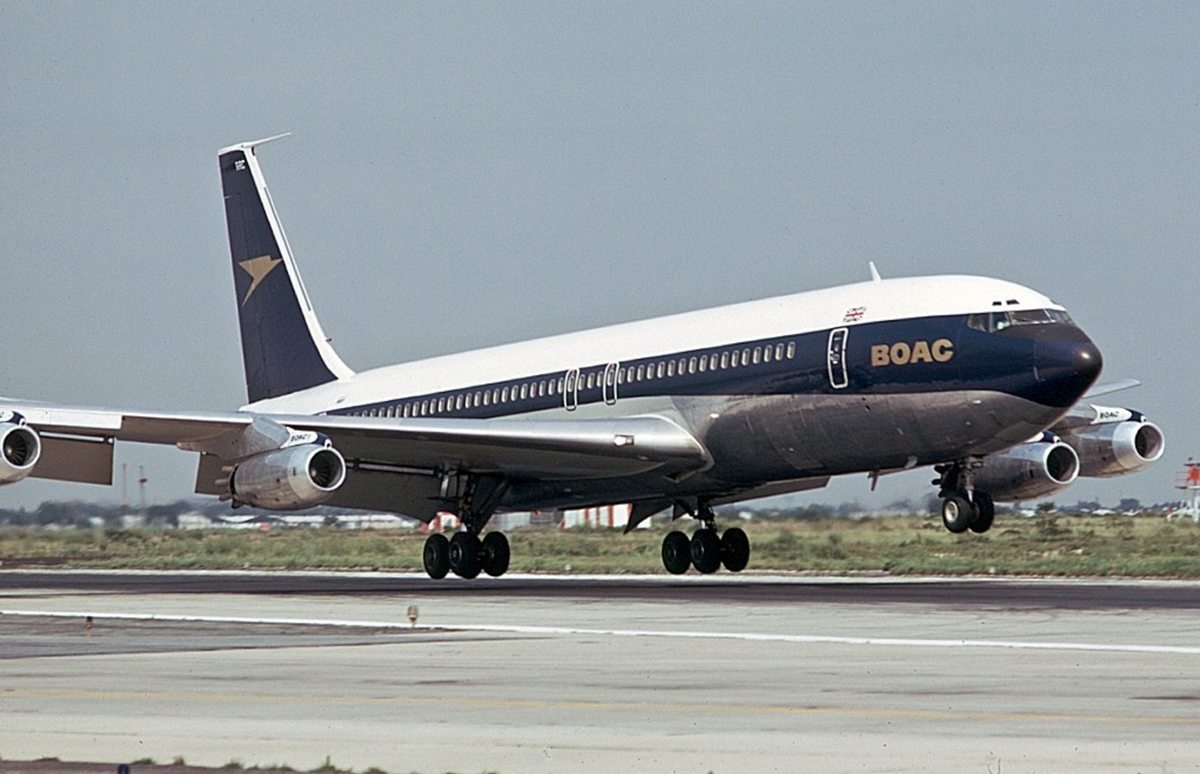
column 1027, row 471
column 1116, row 448
column 20, row 448
column 288, row 479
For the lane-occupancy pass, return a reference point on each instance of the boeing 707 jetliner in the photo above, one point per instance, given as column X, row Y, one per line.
column 983, row 379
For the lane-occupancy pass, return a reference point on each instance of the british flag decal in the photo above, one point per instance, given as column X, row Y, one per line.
column 855, row 314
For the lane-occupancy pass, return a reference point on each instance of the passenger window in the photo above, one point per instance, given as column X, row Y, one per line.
column 779, row 352
column 791, row 350
column 757, row 355
column 767, row 354
column 724, row 360
column 662, row 369
column 712, row 362
column 703, row 363
column 670, row 369
column 641, row 372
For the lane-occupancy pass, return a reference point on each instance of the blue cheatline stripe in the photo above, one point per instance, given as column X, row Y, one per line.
column 797, row 365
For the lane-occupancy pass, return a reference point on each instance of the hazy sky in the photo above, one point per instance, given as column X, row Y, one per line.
column 463, row 175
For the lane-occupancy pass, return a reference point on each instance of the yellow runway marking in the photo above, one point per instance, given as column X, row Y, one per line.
column 535, row 704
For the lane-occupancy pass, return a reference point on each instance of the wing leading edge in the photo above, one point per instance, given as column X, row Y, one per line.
column 391, row 464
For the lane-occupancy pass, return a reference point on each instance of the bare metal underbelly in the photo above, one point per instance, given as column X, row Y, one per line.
column 755, row 440
column 789, row 436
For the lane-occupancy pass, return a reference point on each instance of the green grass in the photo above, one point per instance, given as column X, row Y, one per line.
column 1054, row 545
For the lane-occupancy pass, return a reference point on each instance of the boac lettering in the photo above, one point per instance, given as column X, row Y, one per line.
column 903, row 353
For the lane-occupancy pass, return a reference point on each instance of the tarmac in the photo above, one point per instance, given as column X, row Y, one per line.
column 542, row 674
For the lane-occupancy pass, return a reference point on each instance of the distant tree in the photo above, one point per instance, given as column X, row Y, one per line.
column 1046, row 507
column 1130, row 504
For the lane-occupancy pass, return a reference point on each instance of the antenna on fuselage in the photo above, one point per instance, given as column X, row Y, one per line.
column 874, row 272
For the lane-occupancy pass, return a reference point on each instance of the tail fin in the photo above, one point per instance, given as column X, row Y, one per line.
column 283, row 346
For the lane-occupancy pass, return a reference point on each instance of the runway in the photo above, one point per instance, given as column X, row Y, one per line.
column 545, row 674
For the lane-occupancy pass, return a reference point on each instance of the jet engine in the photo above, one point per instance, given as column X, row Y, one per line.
column 20, row 448
column 288, row 479
column 1027, row 471
column 1116, row 448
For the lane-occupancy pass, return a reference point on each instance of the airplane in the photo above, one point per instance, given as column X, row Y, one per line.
column 985, row 380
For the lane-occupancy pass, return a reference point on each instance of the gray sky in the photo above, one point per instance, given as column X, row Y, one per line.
column 463, row 175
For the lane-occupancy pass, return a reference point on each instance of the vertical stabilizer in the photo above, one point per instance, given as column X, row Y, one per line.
column 283, row 346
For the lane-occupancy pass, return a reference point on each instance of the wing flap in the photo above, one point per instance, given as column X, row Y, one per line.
column 388, row 459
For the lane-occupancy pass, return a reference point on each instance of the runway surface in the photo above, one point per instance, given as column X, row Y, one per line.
column 571, row 674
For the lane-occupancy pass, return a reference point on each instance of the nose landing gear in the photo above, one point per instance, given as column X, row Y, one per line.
column 963, row 507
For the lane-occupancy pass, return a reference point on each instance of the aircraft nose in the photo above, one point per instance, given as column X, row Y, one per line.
column 1067, row 366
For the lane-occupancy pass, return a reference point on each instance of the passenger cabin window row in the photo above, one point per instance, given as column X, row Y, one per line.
column 470, row 400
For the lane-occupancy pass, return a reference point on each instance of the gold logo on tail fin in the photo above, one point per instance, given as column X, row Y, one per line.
column 258, row 269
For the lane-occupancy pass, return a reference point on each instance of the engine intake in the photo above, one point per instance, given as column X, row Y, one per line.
column 1117, row 448
column 1028, row 471
column 288, row 479
column 20, row 448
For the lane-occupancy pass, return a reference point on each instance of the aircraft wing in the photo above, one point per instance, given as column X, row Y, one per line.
column 392, row 464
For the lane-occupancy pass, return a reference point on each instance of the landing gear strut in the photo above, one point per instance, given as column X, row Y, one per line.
column 707, row 550
column 963, row 507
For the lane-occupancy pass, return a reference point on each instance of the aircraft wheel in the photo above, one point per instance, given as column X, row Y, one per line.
column 464, row 554
column 735, row 549
column 436, row 556
column 676, row 552
column 495, row 554
column 956, row 513
column 706, row 551
column 983, row 514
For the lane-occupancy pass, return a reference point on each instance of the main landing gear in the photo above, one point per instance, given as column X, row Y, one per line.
column 706, row 550
column 963, row 507
column 466, row 554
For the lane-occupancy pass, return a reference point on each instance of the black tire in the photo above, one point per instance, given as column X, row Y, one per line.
column 984, row 513
column 495, row 554
column 464, row 554
column 436, row 556
column 676, row 553
column 735, row 549
column 957, row 513
column 706, row 551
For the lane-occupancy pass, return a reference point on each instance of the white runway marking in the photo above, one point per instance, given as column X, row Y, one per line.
column 572, row 631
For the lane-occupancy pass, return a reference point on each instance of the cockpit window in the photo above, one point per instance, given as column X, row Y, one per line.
column 994, row 322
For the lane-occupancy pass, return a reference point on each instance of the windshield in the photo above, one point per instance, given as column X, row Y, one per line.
column 994, row 322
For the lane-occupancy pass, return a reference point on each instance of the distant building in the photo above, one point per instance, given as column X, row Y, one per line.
column 612, row 516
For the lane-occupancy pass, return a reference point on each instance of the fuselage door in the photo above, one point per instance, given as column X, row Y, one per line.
column 571, row 390
column 838, row 376
column 610, row 382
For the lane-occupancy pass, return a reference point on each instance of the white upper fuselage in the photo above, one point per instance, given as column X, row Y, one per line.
column 807, row 312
